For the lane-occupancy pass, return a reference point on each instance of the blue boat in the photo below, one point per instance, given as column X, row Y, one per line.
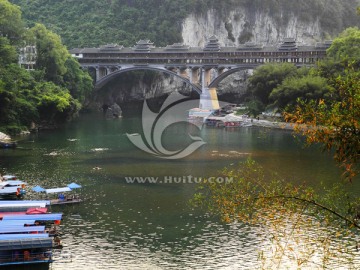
column 26, row 251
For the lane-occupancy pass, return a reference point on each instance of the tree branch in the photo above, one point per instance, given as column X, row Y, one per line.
column 315, row 204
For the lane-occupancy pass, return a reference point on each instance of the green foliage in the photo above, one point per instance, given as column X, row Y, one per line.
column 346, row 46
column 11, row 24
column 50, row 94
column 78, row 82
column 92, row 23
column 267, row 77
column 51, row 54
column 335, row 123
column 255, row 107
column 55, row 103
column 307, row 88
column 8, row 53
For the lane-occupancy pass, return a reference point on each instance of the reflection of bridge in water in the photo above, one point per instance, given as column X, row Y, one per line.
column 202, row 68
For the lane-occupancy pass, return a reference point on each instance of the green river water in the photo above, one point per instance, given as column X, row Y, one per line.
column 151, row 226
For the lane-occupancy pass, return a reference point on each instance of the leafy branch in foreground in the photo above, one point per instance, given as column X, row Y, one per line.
column 334, row 123
column 303, row 225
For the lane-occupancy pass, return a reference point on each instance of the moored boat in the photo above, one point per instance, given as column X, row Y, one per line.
column 60, row 192
column 25, row 237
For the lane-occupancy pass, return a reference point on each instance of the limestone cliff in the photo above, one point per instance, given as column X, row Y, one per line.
column 240, row 27
column 268, row 21
column 243, row 24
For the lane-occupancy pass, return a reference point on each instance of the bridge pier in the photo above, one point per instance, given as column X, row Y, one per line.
column 194, row 79
column 183, row 72
column 97, row 73
column 208, row 98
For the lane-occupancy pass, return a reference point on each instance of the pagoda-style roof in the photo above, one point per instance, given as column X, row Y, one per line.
column 143, row 46
column 289, row 44
column 212, row 45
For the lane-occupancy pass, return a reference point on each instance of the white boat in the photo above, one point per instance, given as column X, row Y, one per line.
column 12, row 188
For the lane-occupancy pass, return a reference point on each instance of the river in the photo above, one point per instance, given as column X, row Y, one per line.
column 151, row 226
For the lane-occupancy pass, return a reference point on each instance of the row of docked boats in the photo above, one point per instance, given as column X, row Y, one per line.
column 28, row 232
column 12, row 188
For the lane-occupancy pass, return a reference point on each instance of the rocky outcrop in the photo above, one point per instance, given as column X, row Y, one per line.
column 129, row 91
column 4, row 137
column 114, row 111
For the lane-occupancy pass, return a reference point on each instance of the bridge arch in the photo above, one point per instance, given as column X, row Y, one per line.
column 104, row 80
column 222, row 76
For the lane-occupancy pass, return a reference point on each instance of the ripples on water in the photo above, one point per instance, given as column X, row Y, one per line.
column 151, row 226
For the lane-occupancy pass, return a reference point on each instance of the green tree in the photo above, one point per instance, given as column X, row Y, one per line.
column 11, row 24
column 267, row 77
column 8, row 53
column 55, row 103
column 51, row 54
column 77, row 81
column 306, row 88
column 345, row 47
column 334, row 123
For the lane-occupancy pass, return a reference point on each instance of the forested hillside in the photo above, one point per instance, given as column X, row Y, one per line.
column 90, row 23
column 42, row 97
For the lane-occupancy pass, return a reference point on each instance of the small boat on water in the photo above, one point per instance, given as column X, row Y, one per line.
column 12, row 189
column 62, row 197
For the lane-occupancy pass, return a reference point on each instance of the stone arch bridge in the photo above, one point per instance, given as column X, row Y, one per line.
column 202, row 68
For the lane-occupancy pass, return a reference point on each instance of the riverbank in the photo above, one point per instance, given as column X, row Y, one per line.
column 247, row 121
column 4, row 137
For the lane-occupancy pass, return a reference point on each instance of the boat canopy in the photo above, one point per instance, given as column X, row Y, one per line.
column 57, row 190
column 8, row 190
column 25, row 243
column 38, row 210
column 25, row 201
column 43, row 217
column 38, row 189
column 9, row 177
column 3, row 214
column 12, row 183
column 22, row 236
column 19, row 229
column 17, row 222
column 73, row 185
column 20, row 205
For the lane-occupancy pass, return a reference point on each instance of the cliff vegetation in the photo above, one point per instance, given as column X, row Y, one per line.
column 50, row 92
column 90, row 23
